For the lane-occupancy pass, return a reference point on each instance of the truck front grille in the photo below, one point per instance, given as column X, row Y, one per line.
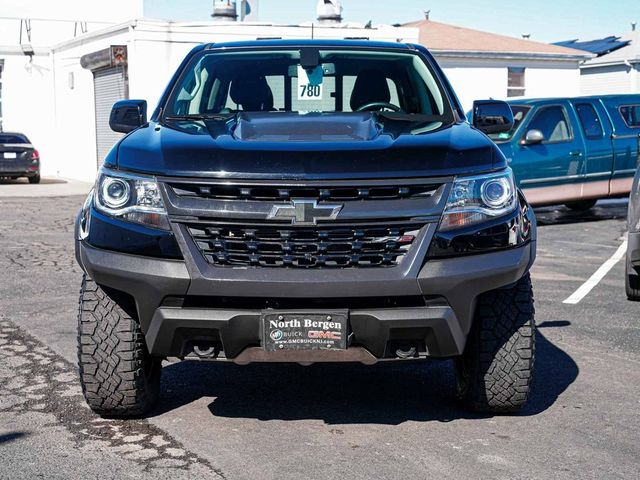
column 312, row 247
column 332, row 193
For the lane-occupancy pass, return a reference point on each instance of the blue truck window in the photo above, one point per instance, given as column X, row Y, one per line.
column 631, row 115
column 519, row 114
column 590, row 121
column 552, row 122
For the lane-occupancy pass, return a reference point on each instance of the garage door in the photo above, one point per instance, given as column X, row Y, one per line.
column 109, row 86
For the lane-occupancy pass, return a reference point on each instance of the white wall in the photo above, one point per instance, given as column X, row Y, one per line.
column 552, row 82
column 74, row 143
column 475, row 83
column 480, row 79
column 608, row 80
column 27, row 100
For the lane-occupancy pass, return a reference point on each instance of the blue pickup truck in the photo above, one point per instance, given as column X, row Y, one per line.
column 573, row 151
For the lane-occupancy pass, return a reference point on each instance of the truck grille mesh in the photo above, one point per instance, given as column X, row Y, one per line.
column 265, row 192
column 312, row 247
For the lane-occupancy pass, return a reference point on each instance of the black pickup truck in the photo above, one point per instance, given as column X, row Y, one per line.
column 306, row 202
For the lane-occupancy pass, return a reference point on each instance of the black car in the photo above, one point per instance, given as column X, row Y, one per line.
column 306, row 201
column 18, row 157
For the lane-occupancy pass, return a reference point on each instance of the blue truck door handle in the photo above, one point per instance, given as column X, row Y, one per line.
column 575, row 154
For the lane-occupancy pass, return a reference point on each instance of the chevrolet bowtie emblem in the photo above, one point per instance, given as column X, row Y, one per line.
column 304, row 212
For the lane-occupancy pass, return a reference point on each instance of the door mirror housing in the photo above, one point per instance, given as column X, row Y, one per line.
column 533, row 137
column 127, row 115
column 492, row 116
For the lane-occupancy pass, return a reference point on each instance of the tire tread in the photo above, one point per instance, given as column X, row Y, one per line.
column 499, row 358
column 118, row 377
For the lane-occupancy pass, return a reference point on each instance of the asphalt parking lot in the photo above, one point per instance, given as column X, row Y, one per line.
column 320, row 422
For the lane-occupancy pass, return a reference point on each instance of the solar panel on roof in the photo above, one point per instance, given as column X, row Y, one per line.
column 600, row 46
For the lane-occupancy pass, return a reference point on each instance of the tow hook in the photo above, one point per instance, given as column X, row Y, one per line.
column 204, row 351
column 410, row 353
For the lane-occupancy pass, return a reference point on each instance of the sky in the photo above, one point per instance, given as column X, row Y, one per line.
column 545, row 20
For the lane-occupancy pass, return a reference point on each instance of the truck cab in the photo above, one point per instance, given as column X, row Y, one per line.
column 573, row 150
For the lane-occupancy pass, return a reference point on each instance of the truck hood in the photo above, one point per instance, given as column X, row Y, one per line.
column 313, row 146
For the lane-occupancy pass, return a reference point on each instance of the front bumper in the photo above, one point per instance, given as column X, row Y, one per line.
column 167, row 296
column 633, row 250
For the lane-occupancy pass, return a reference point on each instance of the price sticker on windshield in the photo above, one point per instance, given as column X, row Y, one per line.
column 310, row 83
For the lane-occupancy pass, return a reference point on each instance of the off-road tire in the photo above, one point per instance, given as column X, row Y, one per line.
column 119, row 378
column 581, row 205
column 495, row 372
column 632, row 284
column 35, row 179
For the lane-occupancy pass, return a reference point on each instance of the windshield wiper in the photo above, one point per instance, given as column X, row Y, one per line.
column 410, row 117
column 199, row 116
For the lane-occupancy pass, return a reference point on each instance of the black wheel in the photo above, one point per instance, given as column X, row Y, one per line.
column 632, row 284
column 582, row 205
column 119, row 378
column 34, row 179
column 495, row 372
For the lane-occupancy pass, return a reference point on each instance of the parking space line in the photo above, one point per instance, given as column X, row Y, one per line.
column 587, row 286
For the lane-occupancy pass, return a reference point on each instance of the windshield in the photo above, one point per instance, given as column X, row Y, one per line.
column 519, row 114
column 12, row 138
column 221, row 83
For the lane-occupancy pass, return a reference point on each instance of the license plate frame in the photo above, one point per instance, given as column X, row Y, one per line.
column 304, row 330
column 9, row 155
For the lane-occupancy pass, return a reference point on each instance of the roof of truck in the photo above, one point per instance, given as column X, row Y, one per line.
column 276, row 42
column 606, row 98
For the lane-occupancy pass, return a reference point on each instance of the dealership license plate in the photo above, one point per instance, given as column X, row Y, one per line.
column 304, row 331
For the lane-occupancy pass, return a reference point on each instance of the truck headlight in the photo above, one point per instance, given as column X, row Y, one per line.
column 476, row 199
column 131, row 198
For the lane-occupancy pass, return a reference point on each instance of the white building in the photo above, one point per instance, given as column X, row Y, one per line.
column 58, row 87
column 485, row 65
column 28, row 31
column 615, row 72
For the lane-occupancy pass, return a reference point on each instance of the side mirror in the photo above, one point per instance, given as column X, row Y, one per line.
column 492, row 116
column 533, row 137
column 127, row 115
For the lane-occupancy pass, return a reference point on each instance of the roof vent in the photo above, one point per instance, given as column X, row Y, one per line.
column 526, row 36
column 329, row 11
column 224, row 11
column 427, row 14
column 633, row 26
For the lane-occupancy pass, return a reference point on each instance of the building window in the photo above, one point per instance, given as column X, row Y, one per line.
column 515, row 82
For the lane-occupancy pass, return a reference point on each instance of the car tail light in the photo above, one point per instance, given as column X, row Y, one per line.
column 35, row 155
